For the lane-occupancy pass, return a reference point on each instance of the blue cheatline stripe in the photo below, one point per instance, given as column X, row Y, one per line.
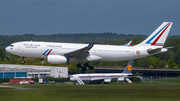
column 45, row 52
column 148, row 42
column 159, row 43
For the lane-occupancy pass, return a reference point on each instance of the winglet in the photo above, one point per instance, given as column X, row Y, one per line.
column 91, row 44
column 129, row 67
column 129, row 43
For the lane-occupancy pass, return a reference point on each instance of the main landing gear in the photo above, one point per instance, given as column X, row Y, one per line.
column 23, row 61
column 83, row 68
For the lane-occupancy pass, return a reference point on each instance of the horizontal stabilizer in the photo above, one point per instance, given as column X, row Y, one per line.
column 157, row 50
column 151, row 51
column 169, row 47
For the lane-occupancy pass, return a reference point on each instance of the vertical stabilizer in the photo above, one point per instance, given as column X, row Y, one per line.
column 158, row 37
column 129, row 43
column 129, row 67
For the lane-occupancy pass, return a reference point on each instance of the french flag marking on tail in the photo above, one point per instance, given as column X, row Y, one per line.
column 154, row 39
column 158, row 37
column 47, row 52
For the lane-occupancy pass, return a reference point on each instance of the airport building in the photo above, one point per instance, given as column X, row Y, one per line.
column 29, row 71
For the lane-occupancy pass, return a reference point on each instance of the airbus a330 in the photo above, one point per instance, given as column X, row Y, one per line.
column 57, row 53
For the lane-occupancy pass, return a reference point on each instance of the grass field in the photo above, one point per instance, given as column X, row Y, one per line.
column 104, row 92
column 164, row 80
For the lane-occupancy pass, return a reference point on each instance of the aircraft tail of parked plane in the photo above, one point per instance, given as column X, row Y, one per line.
column 158, row 37
column 129, row 67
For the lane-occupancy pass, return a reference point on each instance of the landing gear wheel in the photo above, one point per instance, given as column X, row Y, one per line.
column 86, row 64
column 83, row 68
column 23, row 61
column 91, row 67
column 79, row 65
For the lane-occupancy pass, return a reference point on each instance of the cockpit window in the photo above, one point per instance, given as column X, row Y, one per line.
column 71, row 76
column 11, row 45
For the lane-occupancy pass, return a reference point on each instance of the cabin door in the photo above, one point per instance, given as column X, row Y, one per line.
column 131, row 51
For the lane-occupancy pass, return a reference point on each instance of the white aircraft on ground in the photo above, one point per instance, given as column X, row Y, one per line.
column 57, row 53
column 105, row 77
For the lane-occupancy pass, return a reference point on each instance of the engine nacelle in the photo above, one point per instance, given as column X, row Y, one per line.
column 107, row 80
column 56, row 59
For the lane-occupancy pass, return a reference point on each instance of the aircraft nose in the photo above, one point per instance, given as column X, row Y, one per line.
column 7, row 49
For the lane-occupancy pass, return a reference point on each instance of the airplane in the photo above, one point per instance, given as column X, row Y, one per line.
column 129, row 43
column 105, row 77
column 57, row 53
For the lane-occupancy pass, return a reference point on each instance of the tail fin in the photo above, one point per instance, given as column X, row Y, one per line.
column 129, row 67
column 158, row 37
column 129, row 43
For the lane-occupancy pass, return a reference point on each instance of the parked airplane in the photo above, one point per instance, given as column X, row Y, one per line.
column 106, row 77
column 57, row 53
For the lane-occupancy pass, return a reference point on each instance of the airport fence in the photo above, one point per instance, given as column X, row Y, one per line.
column 162, row 80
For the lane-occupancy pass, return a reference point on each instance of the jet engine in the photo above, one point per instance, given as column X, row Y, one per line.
column 56, row 59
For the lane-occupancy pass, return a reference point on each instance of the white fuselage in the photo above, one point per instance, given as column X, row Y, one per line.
column 72, row 52
column 97, row 52
column 97, row 77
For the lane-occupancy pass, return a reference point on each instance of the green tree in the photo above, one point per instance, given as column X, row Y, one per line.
column 172, row 63
column 4, row 61
column 155, row 64
column 73, row 69
column 19, row 61
column 145, row 62
column 162, row 64
column 89, row 71
column 2, row 54
column 37, row 61
column 28, row 62
column 0, row 60
column 13, row 59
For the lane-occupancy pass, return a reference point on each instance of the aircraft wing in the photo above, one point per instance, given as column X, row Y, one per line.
column 83, row 52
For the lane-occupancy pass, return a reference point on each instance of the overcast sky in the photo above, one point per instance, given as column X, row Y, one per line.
column 87, row 16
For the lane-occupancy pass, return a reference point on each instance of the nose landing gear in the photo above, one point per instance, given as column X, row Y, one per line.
column 23, row 61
